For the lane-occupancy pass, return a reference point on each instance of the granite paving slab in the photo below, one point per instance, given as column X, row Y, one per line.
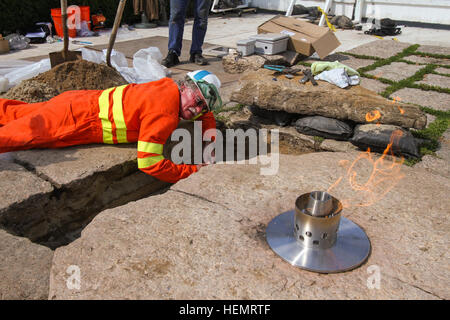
column 380, row 48
column 373, row 84
column 434, row 49
column 432, row 99
column 24, row 268
column 395, row 71
column 198, row 243
column 348, row 60
column 428, row 60
column 442, row 70
column 436, row 80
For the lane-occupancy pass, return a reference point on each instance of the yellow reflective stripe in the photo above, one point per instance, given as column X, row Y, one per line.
column 103, row 103
column 150, row 147
column 119, row 120
column 147, row 162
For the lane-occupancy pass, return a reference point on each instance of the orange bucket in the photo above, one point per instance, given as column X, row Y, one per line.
column 57, row 21
column 86, row 15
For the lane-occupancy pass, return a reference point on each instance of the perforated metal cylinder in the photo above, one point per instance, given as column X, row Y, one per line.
column 317, row 218
column 319, row 204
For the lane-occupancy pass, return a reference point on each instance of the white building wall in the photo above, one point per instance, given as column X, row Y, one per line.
column 428, row 11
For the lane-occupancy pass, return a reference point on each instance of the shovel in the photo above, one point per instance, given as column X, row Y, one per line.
column 112, row 38
column 65, row 55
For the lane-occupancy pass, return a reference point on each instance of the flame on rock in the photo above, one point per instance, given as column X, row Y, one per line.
column 373, row 115
column 394, row 101
column 384, row 175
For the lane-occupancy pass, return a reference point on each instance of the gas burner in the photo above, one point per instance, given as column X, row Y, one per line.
column 315, row 237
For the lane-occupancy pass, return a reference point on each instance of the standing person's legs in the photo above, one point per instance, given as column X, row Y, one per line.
column 176, row 24
column 176, row 29
column 200, row 25
column 199, row 30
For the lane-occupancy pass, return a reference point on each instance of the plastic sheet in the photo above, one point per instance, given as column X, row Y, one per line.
column 324, row 127
column 338, row 77
column 146, row 64
column 26, row 72
column 6, row 66
column 378, row 137
column 4, row 84
column 18, row 42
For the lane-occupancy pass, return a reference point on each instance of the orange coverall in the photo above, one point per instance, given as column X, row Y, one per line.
column 147, row 113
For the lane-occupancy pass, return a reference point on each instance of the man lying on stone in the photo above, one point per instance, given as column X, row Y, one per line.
column 147, row 113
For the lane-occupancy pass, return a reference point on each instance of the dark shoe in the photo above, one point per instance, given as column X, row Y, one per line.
column 197, row 58
column 171, row 60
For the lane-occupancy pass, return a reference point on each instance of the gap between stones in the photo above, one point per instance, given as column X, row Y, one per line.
column 57, row 218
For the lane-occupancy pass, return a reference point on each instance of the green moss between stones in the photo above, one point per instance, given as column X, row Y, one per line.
column 442, row 122
column 431, row 55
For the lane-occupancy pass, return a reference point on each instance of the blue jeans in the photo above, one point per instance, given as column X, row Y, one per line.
column 176, row 24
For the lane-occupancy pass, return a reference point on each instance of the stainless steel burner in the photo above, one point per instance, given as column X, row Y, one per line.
column 315, row 237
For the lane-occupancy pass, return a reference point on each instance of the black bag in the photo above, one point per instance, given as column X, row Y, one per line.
column 324, row 127
column 387, row 27
column 280, row 118
column 377, row 139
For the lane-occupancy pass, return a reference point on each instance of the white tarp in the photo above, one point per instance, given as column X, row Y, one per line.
column 146, row 66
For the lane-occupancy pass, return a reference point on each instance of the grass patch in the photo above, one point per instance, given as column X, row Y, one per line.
column 360, row 56
column 431, row 135
column 306, row 64
column 436, row 113
column 426, row 87
column 441, row 74
column 318, row 139
column 237, row 107
column 383, row 80
column 382, row 62
column 435, row 130
column 410, row 82
column 431, row 55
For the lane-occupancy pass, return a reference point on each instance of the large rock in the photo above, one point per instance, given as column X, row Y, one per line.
column 328, row 100
column 84, row 180
column 205, row 238
column 24, row 268
column 23, row 197
column 232, row 63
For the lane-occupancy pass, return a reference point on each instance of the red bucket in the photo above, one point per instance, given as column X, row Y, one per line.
column 85, row 15
column 57, row 21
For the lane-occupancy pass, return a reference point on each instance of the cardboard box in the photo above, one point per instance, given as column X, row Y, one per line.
column 4, row 45
column 304, row 37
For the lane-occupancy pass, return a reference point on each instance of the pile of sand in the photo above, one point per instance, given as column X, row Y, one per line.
column 73, row 75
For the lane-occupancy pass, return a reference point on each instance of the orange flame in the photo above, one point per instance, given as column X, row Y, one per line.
column 373, row 115
column 395, row 100
column 384, row 176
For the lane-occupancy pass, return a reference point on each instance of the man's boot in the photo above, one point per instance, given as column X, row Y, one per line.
column 197, row 58
column 171, row 60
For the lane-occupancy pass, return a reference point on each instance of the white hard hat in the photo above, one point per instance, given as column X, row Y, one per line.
column 206, row 76
column 209, row 85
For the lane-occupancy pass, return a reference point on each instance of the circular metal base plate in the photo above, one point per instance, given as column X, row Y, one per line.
column 351, row 249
